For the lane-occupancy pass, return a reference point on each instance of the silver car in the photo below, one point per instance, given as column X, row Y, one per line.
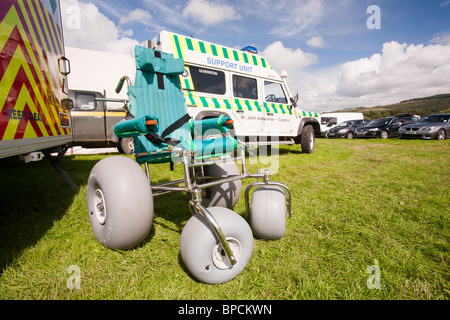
column 433, row 126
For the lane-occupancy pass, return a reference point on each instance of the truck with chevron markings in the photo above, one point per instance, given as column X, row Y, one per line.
column 34, row 104
column 242, row 85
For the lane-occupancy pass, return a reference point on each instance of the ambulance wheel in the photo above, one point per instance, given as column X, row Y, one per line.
column 268, row 214
column 120, row 202
column 308, row 139
column 126, row 145
column 226, row 194
column 202, row 253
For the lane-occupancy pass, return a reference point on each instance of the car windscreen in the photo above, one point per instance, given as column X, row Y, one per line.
column 345, row 124
column 380, row 122
column 436, row 118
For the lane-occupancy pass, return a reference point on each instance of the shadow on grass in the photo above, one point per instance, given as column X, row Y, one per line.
column 33, row 197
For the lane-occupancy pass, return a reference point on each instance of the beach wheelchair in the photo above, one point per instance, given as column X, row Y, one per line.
column 216, row 243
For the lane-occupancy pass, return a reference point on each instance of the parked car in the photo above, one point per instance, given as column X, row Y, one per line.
column 386, row 127
column 346, row 129
column 408, row 118
column 433, row 126
column 380, row 128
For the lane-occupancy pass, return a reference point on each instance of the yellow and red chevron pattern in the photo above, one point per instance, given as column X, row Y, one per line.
column 31, row 86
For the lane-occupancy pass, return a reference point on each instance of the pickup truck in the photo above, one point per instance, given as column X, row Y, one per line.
column 93, row 119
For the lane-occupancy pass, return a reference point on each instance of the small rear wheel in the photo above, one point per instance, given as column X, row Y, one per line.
column 202, row 253
column 120, row 202
column 268, row 213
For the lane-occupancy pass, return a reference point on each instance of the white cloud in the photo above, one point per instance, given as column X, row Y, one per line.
column 399, row 69
column 442, row 37
column 93, row 30
column 292, row 18
column 209, row 13
column 316, row 42
column 137, row 15
column 282, row 58
column 398, row 72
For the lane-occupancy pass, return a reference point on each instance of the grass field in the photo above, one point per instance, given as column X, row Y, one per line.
column 357, row 204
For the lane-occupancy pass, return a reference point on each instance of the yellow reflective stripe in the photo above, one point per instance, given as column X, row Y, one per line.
column 16, row 63
column 235, row 104
column 80, row 113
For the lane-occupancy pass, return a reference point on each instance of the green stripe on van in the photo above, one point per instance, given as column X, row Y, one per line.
column 178, row 48
column 189, row 44
column 223, row 52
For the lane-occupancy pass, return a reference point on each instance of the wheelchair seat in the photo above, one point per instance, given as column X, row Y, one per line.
column 161, row 121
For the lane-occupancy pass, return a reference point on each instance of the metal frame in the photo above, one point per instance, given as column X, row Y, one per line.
column 192, row 185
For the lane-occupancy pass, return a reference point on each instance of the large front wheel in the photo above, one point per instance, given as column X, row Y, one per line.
column 120, row 202
column 202, row 253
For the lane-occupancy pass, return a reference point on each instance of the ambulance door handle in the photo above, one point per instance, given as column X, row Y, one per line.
column 240, row 111
column 270, row 114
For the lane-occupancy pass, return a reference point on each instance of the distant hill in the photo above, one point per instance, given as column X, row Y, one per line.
column 420, row 106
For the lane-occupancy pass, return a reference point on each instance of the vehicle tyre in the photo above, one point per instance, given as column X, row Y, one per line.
column 120, row 202
column 350, row 135
column 308, row 139
column 202, row 253
column 126, row 145
column 384, row 134
column 440, row 134
column 268, row 213
column 226, row 194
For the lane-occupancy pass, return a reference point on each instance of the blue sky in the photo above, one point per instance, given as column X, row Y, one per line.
column 332, row 58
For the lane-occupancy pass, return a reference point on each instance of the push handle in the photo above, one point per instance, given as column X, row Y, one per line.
column 120, row 85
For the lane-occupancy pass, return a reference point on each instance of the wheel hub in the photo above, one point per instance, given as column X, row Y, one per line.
column 219, row 256
column 99, row 206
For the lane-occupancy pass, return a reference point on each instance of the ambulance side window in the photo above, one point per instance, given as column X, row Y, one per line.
column 85, row 101
column 207, row 80
column 274, row 92
column 244, row 87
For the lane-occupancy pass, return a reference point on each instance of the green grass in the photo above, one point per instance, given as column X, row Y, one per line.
column 356, row 203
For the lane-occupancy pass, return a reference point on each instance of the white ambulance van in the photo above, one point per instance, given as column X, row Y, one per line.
column 242, row 85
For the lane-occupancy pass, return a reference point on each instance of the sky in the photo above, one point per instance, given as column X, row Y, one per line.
column 337, row 53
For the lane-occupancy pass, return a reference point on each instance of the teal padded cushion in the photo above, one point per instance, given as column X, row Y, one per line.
column 146, row 98
column 134, row 127
column 210, row 126
column 166, row 64
column 210, row 147
column 165, row 101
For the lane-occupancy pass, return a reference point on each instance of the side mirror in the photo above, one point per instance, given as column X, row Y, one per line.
column 294, row 99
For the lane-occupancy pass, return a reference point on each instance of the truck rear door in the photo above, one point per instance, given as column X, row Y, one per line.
column 88, row 117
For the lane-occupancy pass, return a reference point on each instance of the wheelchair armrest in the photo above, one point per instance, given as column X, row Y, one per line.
column 137, row 126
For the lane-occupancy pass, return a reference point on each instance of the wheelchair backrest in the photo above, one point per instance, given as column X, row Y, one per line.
column 157, row 93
